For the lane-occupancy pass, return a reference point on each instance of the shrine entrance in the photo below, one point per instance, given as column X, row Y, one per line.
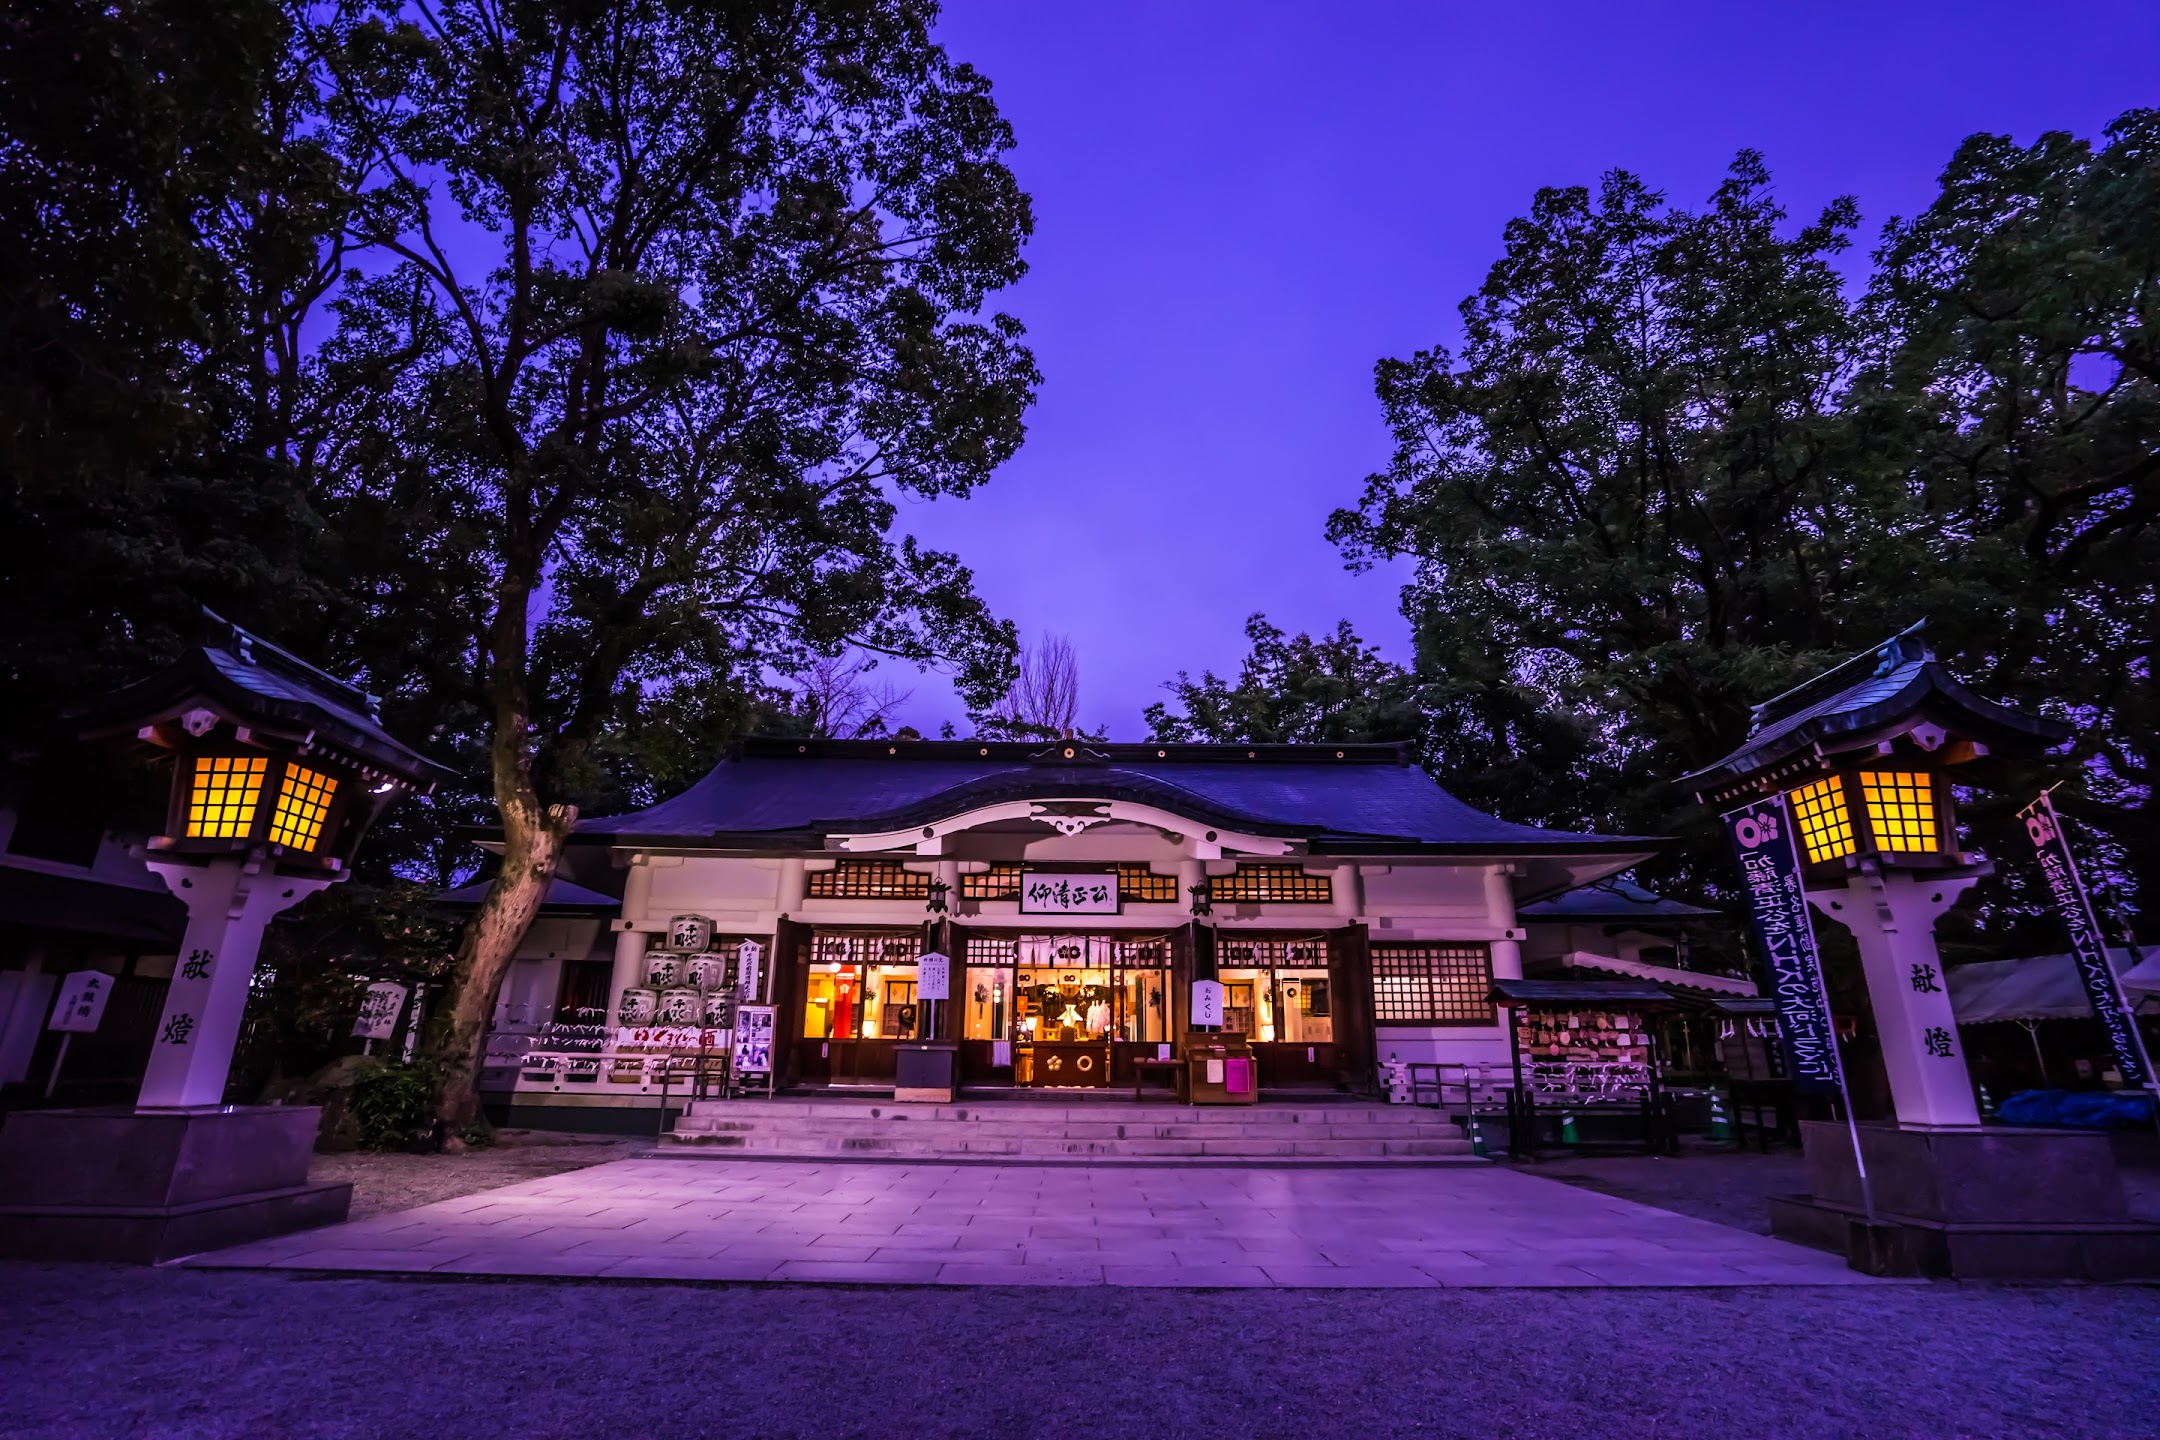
column 1066, row 1011
column 1282, row 996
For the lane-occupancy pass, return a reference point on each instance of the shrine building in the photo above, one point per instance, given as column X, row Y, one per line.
column 1352, row 910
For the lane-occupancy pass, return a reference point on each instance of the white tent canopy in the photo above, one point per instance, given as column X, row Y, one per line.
column 2037, row 987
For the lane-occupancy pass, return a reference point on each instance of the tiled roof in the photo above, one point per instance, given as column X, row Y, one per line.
column 1613, row 900
column 561, row 895
column 1348, row 798
column 1900, row 677
column 1589, row 994
column 256, row 681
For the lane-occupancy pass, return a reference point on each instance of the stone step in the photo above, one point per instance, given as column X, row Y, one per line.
column 1087, row 1132
column 1051, row 1148
column 1044, row 1114
column 1073, row 1130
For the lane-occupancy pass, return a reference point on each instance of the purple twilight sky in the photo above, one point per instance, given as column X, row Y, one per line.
column 1241, row 206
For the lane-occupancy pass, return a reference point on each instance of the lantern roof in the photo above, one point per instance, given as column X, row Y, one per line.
column 1896, row 688
column 242, row 678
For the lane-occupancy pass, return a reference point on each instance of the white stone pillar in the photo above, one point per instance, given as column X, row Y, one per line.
column 228, row 904
column 794, row 884
column 1892, row 918
column 1500, row 913
column 629, row 969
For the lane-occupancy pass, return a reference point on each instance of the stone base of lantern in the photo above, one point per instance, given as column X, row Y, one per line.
column 146, row 1187
column 1991, row 1203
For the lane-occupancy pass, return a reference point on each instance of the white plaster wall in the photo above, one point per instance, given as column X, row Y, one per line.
column 1450, row 1045
column 704, row 885
column 527, row 998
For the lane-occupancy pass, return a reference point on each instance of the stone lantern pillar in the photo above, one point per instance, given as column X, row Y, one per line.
column 1864, row 758
column 277, row 770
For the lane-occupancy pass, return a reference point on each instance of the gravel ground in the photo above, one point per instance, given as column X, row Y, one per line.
column 1730, row 1187
column 399, row 1182
column 91, row 1351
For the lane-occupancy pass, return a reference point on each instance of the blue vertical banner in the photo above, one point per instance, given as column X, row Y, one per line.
column 2087, row 944
column 1762, row 840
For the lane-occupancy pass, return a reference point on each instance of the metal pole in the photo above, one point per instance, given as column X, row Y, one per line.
column 58, row 1059
column 1837, row 1052
column 2032, row 1033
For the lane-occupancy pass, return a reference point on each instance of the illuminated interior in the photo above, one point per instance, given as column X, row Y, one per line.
column 221, row 804
column 1825, row 829
column 1901, row 809
column 862, row 987
column 303, row 807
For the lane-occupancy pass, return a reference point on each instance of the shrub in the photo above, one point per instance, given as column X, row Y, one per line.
column 393, row 1105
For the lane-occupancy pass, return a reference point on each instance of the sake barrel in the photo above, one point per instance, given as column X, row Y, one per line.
column 680, row 1006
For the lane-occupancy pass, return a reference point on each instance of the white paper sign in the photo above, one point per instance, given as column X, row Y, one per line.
column 753, row 1039
column 1214, row 1072
column 82, row 1002
column 933, row 977
column 1000, row 1054
column 1207, row 1001
column 1048, row 893
column 379, row 1010
column 747, row 956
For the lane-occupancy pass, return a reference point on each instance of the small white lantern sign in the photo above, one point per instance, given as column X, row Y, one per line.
column 692, row 933
column 933, row 977
column 747, row 956
column 82, row 1002
column 379, row 1010
column 1207, row 1004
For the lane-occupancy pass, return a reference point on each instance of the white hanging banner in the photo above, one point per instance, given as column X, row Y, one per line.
column 933, row 976
column 1207, row 1004
column 747, row 956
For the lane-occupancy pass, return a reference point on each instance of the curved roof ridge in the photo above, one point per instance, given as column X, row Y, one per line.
column 765, row 794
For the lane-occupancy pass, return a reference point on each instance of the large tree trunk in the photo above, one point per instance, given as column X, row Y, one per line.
column 532, row 844
column 533, row 835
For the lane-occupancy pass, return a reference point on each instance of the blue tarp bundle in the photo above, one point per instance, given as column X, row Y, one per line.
column 2077, row 1109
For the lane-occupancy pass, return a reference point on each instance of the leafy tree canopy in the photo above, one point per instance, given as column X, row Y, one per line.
column 1294, row 690
column 669, row 304
column 1673, row 469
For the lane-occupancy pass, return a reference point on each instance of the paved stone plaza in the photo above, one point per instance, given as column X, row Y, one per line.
column 1052, row 1225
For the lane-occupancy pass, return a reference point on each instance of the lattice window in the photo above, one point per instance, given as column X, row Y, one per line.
column 999, row 882
column 1271, row 884
column 1901, row 809
column 991, row 950
column 1300, row 954
column 1819, row 811
column 1152, row 953
column 303, row 806
column 1437, row 984
column 868, row 880
column 221, row 805
column 843, row 949
column 1141, row 883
